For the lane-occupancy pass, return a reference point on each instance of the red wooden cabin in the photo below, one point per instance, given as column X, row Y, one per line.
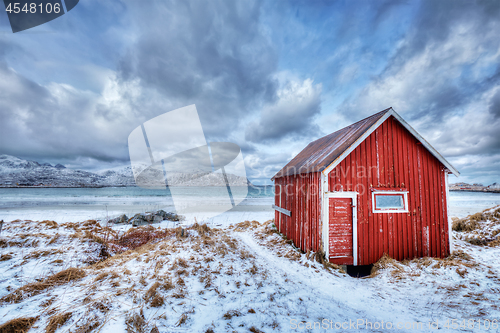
column 371, row 188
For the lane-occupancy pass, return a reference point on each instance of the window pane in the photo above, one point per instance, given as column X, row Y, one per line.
column 389, row 202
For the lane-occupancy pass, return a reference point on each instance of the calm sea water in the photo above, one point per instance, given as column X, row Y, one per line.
column 23, row 197
column 466, row 203
column 79, row 204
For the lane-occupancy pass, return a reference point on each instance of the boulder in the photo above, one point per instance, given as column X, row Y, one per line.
column 122, row 219
column 161, row 213
column 172, row 217
column 156, row 217
column 138, row 219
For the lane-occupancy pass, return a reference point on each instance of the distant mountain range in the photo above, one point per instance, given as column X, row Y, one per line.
column 16, row 172
column 495, row 187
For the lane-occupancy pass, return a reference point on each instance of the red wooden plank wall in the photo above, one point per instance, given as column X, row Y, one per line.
column 300, row 194
column 391, row 158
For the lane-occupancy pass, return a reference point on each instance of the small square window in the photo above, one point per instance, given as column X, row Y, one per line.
column 390, row 202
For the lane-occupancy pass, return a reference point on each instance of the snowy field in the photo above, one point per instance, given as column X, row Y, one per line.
column 238, row 279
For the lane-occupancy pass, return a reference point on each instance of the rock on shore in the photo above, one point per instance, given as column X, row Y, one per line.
column 146, row 218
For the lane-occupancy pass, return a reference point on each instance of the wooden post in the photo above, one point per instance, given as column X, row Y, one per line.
column 1, row 225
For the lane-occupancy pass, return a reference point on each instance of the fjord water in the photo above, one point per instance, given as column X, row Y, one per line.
column 78, row 204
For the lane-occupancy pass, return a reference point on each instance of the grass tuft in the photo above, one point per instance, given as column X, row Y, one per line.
column 5, row 257
column 136, row 323
column 36, row 288
column 231, row 313
column 18, row 325
column 57, row 321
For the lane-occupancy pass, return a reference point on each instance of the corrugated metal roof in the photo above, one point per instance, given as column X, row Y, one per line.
column 321, row 153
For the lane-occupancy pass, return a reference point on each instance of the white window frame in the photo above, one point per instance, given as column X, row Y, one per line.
column 389, row 210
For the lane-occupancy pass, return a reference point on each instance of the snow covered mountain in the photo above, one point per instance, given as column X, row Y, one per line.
column 18, row 172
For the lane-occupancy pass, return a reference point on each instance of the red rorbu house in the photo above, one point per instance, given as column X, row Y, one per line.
column 371, row 188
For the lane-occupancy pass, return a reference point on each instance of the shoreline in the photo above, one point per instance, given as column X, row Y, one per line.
column 472, row 190
column 135, row 186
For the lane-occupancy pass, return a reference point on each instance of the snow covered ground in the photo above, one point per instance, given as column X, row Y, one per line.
column 240, row 278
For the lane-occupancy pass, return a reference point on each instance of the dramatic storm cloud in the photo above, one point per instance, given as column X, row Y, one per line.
column 291, row 116
column 269, row 76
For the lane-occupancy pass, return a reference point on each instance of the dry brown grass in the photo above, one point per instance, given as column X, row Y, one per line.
column 137, row 237
column 495, row 242
column 465, row 224
column 422, row 262
column 18, row 325
column 231, row 313
column 180, row 262
column 101, row 306
column 326, row 264
column 180, row 233
column 48, row 302
column 157, row 301
column 385, row 262
column 247, row 225
column 5, row 257
column 253, row 270
column 71, row 225
column 29, row 235
column 152, row 291
column 87, row 324
column 182, row 320
column 108, row 274
column 206, row 279
column 136, row 323
column 50, row 224
column 459, row 254
column 53, row 239
column 458, row 260
column 476, row 223
column 24, row 243
column 245, row 255
column 153, row 297
column 57, row 321
column 203, row 229
column 462, row 272
column 31, row 289
column 39, row 254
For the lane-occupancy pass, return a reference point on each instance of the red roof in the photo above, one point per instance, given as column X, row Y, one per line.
column 320, row 154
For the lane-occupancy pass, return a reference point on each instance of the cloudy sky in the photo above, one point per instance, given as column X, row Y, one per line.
column 270, row 76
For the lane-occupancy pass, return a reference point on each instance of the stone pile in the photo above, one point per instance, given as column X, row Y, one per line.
column 146, row 218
